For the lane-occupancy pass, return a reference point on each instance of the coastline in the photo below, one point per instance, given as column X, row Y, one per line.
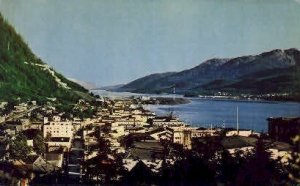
column 189, row 98
column 166, row 101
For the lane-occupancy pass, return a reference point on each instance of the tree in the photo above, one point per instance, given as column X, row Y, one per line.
column 18, row 147
column 48, row 136
column 259, row 168
column 39, row 144
column 229, row 165
column 106, row 166
column 294, row 162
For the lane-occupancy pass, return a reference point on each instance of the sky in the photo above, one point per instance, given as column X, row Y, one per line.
column 108, row 42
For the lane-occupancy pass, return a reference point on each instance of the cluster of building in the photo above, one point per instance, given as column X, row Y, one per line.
column 70, row 140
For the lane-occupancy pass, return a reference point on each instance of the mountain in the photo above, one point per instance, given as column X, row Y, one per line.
column 276, row 71
column 109, row 88
column 146, row 82
column 86, row 85
column 23, row 75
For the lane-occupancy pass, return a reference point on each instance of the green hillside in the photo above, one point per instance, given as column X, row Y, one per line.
column 23, row 75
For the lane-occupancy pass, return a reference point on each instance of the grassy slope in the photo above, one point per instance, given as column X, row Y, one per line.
column 27, row 81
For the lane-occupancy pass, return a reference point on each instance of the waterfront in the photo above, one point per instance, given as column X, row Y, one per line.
column 252, row 114
column 120, row 135
column 204, row 112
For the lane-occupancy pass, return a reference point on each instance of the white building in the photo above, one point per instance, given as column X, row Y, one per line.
column 166, row 122
column 183, row 135
column 117, row 131
column 180, row 135
column 58, row 128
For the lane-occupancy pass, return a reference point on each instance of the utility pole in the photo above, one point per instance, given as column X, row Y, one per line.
column 237, row 120
column 174, row 92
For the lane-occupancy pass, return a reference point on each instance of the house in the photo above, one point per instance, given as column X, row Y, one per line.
column 166, row 121
column 147, row 155
column 55, row 156
column 34, row 163
column 128, row 122
column 31, row 134
column 140, row 170
column 29, row 142
column 22, row 107
column 245, row 133
column 3, row 105
column 202, row 132
column 25, row 123
column 14, row 125
column 117, row 131
column 2, row 119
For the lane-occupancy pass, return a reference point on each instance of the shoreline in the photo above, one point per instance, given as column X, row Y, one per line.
column 244, row 100
column 211, row 98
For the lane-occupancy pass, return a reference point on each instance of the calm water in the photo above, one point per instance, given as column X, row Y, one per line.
column 252, row 115
column 201, row 112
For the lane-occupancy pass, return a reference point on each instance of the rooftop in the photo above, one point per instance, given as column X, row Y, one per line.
column 147, row 150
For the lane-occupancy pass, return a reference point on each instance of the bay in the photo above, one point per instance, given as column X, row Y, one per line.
column 206, row 112
column 251, row 114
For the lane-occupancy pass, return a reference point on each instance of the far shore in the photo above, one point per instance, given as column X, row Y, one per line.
column 170, row 99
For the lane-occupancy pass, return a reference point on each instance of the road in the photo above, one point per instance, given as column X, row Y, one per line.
column 20, row 115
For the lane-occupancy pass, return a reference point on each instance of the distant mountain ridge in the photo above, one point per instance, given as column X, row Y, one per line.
column 276, row 71
column 84, row 84
column 24, row 76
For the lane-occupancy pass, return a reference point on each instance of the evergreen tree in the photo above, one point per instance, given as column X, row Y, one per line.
column 294, row 162
column 19, row 148
column 259, row 168
column 39, row 144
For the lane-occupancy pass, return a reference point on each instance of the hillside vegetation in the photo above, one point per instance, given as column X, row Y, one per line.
column 23, row 75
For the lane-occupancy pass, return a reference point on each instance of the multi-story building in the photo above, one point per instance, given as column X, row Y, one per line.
column 57, row 127
column 180, row 135
column 202, row 132
column 128, row 122
column 166, row 122
column 183, row 135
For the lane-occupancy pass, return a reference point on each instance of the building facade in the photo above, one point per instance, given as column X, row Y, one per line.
column 58, row 128
column 180, row 135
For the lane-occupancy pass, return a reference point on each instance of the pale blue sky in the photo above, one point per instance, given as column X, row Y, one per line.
column 115, row 41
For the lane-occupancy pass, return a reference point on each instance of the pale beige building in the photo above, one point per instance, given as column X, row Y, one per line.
column 183, row 135
column 180, row 135
column 167, row 122
column 58, row 128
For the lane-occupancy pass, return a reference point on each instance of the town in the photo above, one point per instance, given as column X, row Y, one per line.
column 117, row 140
